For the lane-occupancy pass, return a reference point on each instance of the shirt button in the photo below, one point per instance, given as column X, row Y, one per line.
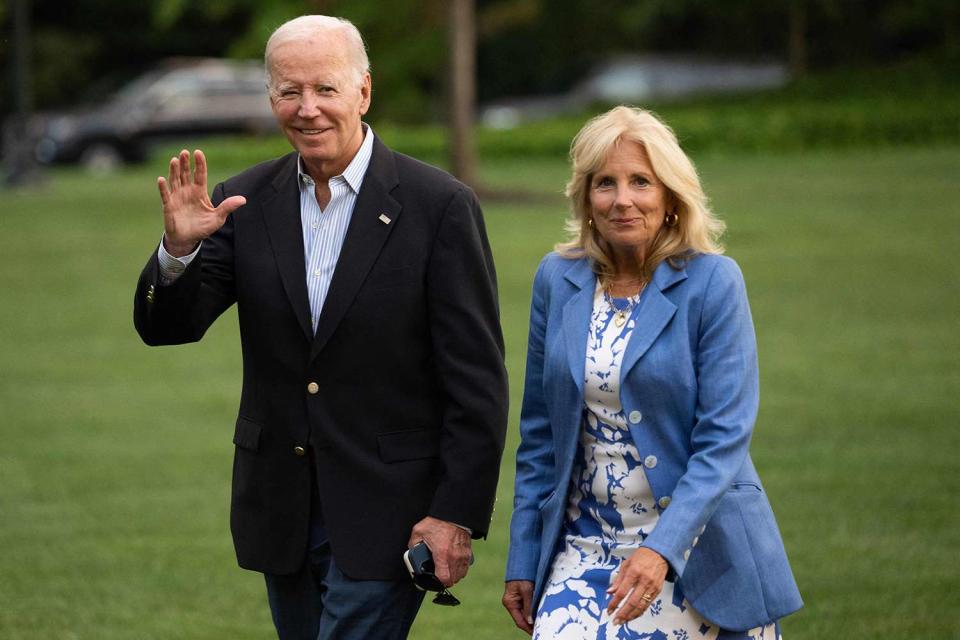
column 300, row 451
column 635, row 417
column 664, row 502
column 315, row 225
column 313, row 388
column 317, row 272
column 650, row 462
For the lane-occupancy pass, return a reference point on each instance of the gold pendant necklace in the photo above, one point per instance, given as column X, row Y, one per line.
column 621, row 315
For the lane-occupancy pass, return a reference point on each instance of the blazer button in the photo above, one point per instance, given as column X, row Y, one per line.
column 686, row 554
column 635, row 417
column 702, row 529
column 664, row 502
column 300, row 451
column 696, row 539
column 313, row 388
column 650, row 462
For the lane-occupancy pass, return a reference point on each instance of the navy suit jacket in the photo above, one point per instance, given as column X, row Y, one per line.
column 689, row 389
column 401, row 393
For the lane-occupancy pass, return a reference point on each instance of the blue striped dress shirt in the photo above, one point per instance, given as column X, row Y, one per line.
column 324, row 230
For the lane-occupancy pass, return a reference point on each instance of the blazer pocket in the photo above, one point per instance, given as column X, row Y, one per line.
column 411, row 444
column 247, row 434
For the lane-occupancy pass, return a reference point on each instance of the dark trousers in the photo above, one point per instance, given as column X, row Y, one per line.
column 320, row 603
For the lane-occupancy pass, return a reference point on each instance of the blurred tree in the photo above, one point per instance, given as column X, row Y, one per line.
column 543, row 46
column 405, row 39
column 524, row 46
column 83, row 48
column 462, row 45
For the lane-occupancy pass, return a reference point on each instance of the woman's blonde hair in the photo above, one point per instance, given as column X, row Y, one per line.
column 697, row 229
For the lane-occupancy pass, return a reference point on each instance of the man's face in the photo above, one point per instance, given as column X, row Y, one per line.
column 317, row 102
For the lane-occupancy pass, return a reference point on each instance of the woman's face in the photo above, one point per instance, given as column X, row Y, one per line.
column 627, row 201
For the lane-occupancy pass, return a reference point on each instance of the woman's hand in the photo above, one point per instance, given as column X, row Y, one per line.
column 518, row 600
column 638, row 583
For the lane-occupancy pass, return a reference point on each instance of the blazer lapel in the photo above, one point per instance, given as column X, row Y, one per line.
column 365, row 237
column 576, row 318
column 654, row 313
column 281, row 215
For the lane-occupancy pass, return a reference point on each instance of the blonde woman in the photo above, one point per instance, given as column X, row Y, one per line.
column 638, row 512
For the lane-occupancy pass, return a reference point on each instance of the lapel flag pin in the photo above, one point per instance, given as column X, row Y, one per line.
column 384, row 219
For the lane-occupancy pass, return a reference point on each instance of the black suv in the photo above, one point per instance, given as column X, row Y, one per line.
column 206, row 96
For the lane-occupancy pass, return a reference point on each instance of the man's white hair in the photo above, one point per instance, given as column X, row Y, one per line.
column 304, row 27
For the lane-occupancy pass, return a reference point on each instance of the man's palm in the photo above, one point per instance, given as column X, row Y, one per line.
column 188, row 214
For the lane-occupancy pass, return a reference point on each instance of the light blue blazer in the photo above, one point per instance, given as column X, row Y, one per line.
column 689, row 391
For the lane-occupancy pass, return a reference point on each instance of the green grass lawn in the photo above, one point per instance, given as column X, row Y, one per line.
column 115, row 458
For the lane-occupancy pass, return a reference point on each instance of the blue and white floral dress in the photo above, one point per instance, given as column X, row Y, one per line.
column 610, row 511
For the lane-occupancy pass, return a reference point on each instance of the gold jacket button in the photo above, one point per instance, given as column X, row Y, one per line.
column 313, row 388
column 300, row 451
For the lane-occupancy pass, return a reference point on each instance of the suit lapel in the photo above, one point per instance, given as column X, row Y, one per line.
column 654, row 313
column 365, row 237
column 576, row 318
column 281, row 215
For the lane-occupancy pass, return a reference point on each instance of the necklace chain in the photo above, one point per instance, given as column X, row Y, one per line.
column 620, row 315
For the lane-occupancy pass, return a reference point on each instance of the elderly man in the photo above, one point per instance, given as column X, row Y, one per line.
column 374, row 396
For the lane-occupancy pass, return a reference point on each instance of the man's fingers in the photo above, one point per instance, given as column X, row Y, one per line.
column 185, row 168
column 200, row 169
column 442, row 570
column 173, row 173
column 164, row 192
column 230, row 205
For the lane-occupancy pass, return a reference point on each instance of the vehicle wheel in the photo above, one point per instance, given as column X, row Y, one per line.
column 101, row 157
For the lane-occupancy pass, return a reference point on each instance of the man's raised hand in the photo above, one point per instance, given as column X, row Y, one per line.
column 188, row 214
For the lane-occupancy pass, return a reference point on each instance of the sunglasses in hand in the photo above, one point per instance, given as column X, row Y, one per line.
column 419, row 563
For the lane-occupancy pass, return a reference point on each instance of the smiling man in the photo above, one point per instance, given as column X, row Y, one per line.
column 374, row 397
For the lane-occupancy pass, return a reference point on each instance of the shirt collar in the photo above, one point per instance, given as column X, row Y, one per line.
column 354, row 173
